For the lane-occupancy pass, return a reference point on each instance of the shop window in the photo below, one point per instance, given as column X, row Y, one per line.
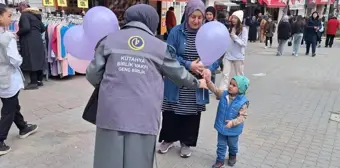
column 120, row 6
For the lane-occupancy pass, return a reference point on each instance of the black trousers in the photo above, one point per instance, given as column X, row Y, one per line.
column 36, row 76
column 183, row 128
column 10, row 112
column 270, row 39
column 309, row 44
column 329, row 40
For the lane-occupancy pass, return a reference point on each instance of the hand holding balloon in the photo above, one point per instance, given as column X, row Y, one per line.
column 196, row 67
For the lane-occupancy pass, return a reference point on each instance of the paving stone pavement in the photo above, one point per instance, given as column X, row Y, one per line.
column 288, row 123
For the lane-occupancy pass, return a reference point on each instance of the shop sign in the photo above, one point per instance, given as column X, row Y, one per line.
column 62, row 3
column 48, row 2
column 83, row 4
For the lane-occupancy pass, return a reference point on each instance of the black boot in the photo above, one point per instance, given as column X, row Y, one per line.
column 4, row 149
column 231, row 160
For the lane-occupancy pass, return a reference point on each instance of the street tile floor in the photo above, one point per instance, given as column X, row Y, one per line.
column 288, row 124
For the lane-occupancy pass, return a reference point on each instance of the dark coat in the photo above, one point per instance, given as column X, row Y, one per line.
column 269, row 29
column 310, row 32
column 31, row 43
column 284, row 31
column 253, row 30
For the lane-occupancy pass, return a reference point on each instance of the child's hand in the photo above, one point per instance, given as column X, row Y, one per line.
column 206, row 75
column 229, row 123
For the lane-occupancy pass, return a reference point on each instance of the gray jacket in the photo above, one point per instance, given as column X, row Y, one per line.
column 129, row 65
column 6, row 68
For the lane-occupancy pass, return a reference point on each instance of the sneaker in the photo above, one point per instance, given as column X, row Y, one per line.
column 31, row 86
column 265, row 47
column 4, row 149
column 313, row 55
column 307, row 54
column 218, row 165
column 29, row 130
column 165, row 147
column 231, row 160
column 185, row 151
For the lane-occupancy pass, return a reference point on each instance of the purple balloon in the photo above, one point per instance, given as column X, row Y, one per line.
column 99, row 22
column 212, row 41
column 77, row 44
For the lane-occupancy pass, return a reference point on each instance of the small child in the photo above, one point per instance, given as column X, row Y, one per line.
column 11, row 82
column 230, row 116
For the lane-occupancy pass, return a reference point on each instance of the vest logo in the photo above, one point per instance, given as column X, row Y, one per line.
column 136, row 43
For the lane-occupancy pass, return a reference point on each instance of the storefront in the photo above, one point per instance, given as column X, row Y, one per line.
column 223, row 5
column 162, row 7
column 274, row 8
column 318, row 5
column 297, row 7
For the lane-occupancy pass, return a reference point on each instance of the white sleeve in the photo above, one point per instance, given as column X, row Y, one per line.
column 13, row 53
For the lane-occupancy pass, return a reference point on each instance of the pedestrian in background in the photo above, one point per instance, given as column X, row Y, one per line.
column 210, row 14
column 283, row 34
column 332, row 27
column 32, row 48
column 11, row 82
column 269, row 30
column 233, row 60
column 312, row 26
column 297, row 32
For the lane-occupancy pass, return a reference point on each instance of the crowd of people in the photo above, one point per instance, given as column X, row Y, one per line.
column 294, row 31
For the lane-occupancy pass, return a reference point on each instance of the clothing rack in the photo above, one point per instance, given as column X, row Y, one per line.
column 56, row 53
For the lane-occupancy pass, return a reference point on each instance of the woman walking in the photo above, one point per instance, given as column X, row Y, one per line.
column 311, row 30
column 253, row 24
column 182, row 106
column 297, row 32
column 31, row 46
column 234, row 59
column 283, row 33
column 269, row 30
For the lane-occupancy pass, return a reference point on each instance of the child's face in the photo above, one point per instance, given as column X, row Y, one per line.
column 233, row 89
column 5, row 18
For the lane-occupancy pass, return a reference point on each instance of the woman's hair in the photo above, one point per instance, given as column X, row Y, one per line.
column 3, row 8
column 300, row 22
column 238, row 27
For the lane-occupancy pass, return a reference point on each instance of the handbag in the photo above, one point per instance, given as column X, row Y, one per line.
column 289, row 43
column 90, row 111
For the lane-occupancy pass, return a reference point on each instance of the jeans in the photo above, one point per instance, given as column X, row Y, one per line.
column 329, row 40
column 224, row 142
column 281, row 47
column 10, row 112
column 309, row 44
column 297, row 42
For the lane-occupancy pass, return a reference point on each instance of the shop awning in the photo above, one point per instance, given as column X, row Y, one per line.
column 320, row 2
column 273, row 3
column 296, row 4
column 226, row 3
